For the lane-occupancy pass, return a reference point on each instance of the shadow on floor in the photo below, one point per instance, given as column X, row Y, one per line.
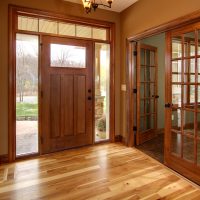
column 154, row 148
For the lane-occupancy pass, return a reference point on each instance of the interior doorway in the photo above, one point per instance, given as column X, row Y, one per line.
column 149, row 95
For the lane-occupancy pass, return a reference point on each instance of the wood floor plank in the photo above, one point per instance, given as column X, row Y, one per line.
column 109, row 171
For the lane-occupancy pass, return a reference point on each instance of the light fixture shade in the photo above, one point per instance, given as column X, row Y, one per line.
column 109, row 1
column 86, row 4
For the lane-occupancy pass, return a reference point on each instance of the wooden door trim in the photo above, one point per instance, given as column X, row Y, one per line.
column 13, row 11
column 173, row 24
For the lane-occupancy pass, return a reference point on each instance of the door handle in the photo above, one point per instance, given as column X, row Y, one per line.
column 89, row 90
column 156, row 96
column 89, row 98
column 168, row 105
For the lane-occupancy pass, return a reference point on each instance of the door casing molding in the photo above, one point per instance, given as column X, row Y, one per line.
column 13, row 12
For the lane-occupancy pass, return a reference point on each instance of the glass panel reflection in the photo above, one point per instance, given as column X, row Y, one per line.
column 176, row 95
column 176, row 119
column 176, row 71
column 176, row 143
column 188, row 148
column 189, row 41
column 188, row 122
column 176, row 47
column 68, row 56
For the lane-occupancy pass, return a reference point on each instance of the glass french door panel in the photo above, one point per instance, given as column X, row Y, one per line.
column 189, row 70
column 176, row 141
column 26, row 94
column 142, row 57
column 142, row 74
column 142, row 85
column 152, row 87
column 148, row 73
column 152, row 58
column 152, row 74
column 176, row 119
column 176, row 94
column 147, row 90
column 147, row 57
column 102, row 91
column 198, row 69
column 189, row 47
column 142, row 103
column 188, row 148
column 189, row 96
column 176, row 70
column 188, row 122
column 176, row 47
column 147, row 106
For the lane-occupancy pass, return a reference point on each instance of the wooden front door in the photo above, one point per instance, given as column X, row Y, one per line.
column 182, row 132
column 66, row 93
column 146, row 93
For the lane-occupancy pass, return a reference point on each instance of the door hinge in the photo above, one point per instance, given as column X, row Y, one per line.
column 135, row 91
column 135, row 53
column 135, row 128
column 41, row 44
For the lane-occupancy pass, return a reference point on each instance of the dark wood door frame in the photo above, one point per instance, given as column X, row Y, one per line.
column 131, row 45
column 13, row 13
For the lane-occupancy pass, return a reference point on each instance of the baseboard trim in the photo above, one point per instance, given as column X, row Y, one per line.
column 3, row 158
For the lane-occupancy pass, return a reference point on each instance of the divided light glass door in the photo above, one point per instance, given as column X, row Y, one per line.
column 182, row 144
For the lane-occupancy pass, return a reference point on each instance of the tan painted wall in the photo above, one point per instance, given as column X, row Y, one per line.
column 55, row 6
column 141, row 16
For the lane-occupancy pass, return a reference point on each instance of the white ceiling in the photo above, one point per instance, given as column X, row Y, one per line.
column 117, row 5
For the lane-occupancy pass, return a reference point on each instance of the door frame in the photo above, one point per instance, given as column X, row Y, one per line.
column 13, row 13
column 130, row 47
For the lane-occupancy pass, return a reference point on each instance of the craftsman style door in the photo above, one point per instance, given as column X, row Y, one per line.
column 66, row 97
column 146, row 93
column 182, row 133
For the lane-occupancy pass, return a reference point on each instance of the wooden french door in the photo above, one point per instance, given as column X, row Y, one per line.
column 182, row 131
column 67, row 96
column 146, row 93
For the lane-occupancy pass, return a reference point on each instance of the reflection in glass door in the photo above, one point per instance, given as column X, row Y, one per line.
column 102, row 91
column 183, row 100
column 26, row 94
column 146, row 93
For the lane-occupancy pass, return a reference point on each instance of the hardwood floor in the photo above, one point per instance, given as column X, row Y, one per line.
column 109, row 171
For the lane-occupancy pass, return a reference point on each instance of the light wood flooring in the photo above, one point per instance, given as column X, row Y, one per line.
column 109, row 171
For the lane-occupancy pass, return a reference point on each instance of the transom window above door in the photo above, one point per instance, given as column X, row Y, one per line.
column 60, row 28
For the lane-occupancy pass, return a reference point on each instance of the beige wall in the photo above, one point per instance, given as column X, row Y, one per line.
column 159, row 42
column 55, row 6
column 141, row 16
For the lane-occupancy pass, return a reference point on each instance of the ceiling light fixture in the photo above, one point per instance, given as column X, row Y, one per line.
column 90, row 5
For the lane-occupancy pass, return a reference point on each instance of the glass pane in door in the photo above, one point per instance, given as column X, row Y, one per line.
column 102, row 91
column 26, row 94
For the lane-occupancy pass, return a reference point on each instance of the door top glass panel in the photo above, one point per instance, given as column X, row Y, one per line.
column 67, row 56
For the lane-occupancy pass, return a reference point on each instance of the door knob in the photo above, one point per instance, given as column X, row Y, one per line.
column 89, row 90
column 89, row 98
